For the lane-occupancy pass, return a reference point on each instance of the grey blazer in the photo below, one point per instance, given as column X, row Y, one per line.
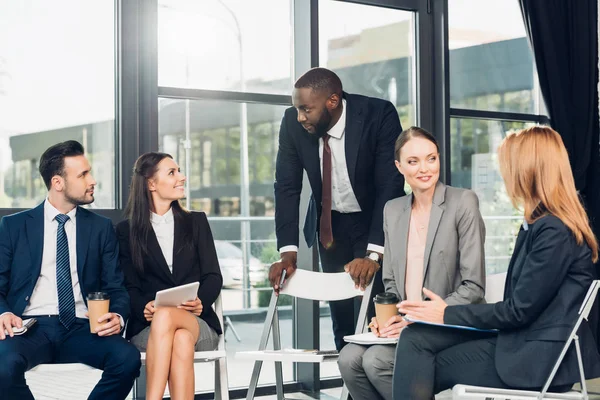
column 454, row 251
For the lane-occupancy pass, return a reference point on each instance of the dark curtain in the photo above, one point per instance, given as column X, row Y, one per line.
column 564, row 38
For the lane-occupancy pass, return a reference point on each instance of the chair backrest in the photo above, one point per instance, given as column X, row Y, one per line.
column 494, row 287
column 584, row 312
column 321, row 286
column 588, row 301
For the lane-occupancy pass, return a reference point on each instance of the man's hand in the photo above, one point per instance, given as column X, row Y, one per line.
column 149, row 311
column 112, row 325
column 428, row 311
column 287, row 262
column 7, row 322
column 362, row 271
column 393, row 327
column 194, row 306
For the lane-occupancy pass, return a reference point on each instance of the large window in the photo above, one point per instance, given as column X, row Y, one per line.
column 372, row 49
column 57, row 82
column 225, row 45
column 493, row 90
column 227, row 148
column 491, row 64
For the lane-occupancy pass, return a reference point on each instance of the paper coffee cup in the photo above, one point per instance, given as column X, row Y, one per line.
column 385, row 307
column 98, row 304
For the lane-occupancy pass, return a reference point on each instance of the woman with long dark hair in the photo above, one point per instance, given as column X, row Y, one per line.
column 162, row 245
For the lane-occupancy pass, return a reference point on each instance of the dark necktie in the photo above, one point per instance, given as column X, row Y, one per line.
column 326, row 234
column 66, row 300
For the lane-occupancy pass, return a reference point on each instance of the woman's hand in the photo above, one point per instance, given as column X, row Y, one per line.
column 194, row 306
column 427, row 311
column 149, row 311
column 374, row 326
column 393, row 327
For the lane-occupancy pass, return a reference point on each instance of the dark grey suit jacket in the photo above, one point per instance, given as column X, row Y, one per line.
column 454, row 252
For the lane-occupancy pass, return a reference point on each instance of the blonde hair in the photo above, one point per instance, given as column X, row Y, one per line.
column 535, row 167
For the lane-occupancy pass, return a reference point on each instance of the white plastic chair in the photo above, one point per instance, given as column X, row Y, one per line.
column 317, row 286
column 464, row 392
column 219, row 357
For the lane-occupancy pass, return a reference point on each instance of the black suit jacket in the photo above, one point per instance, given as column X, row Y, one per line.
column 372, row 127
column 198, row 263
column 548, row 277
column 21, row 250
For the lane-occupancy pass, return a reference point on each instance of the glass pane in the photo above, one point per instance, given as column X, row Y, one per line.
column 215, row 180
column 225, row 45
column 491, row 63
column 372, row 49
column 56, row 83
column 474, row 165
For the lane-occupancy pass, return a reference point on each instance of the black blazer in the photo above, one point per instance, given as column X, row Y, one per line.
column 190, row 264
column 372, row 127
column 547, row 279
column 22, row 246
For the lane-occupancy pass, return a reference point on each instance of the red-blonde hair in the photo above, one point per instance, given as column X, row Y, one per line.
column 535, row 167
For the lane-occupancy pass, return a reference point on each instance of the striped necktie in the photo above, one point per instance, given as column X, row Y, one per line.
column 66, row 300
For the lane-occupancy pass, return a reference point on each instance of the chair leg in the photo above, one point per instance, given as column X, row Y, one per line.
column 277, row 346
column 344, row 395
column 262, row 346
column 221, row 380
column 229, row 323
column 139, row 385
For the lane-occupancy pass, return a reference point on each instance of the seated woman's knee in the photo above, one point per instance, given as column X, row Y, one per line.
column 183, row 343
column 164, row 319
column 350, row 360
column 373, row 361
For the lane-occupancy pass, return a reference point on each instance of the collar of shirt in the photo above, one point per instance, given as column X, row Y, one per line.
column 50, row 212
column 166, row 218
column 337, row 131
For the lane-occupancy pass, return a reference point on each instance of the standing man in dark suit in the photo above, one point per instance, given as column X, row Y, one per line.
column 345, row 143
column 51, row 257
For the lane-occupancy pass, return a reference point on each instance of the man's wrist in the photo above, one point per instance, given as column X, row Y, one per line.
column 287, row 249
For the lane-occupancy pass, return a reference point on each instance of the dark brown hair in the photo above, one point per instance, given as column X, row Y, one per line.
column 413, row 132
column 140, row 205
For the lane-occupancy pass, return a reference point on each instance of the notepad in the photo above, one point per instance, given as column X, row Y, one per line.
column 27, row 323
column 369, row 338
column 467, row 328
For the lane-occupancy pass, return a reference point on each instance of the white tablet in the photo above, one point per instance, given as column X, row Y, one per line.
column 173, row 297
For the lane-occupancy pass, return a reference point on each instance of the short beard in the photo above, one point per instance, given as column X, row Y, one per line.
column 78, row 201
column 322, row 126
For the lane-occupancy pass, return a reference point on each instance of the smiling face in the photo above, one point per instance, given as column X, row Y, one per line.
column 420, row 164
column 168, row 183
column 315, row 109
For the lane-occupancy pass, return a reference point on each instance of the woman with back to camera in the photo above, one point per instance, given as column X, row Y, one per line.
column 434, row 238
column 162, row 245
column 550, row 271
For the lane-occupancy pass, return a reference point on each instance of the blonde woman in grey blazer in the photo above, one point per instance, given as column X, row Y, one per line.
column 434, row 239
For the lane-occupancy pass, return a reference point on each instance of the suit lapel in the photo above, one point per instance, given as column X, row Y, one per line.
column 402, row 226
column 313, row 165
column 437, row 210
column 179, row 264
column 353, row 132
column 158, row 257
column 35, row 235
column 82, row 229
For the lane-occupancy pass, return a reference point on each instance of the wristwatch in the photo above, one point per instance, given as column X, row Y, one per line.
column 375, row 257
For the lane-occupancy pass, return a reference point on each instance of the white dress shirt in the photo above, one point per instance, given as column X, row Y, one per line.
column 164, row 228
column 343, row 199
column 44, row 299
